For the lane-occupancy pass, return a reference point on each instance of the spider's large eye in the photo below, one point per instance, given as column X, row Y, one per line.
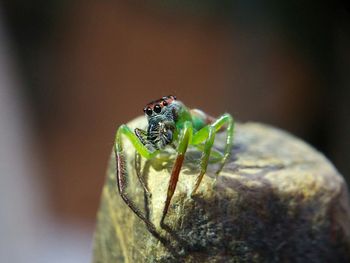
column 148, row 111
column 165, row 103
column 157, row 108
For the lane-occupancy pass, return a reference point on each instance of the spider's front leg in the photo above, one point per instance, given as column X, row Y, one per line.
column 139, row 175
column 207, row 134
column 124, row 130
column 185, row 138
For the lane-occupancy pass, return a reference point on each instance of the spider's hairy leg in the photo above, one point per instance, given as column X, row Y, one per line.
column 184, row 139
column 124, row 130
column 142, row 136
column 138, row 173
column 207, row 134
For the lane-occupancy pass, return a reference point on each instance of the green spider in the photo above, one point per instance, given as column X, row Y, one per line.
column 171, row 123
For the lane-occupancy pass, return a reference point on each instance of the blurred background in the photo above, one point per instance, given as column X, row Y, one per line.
column 72, row 71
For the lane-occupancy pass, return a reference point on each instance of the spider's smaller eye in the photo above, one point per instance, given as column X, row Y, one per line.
column 148, row 111
column 165, row 103
column 157, row 108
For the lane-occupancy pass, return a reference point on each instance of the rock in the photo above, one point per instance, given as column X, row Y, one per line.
column 276, row 200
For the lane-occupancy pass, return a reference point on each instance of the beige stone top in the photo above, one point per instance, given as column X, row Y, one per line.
column 276, row 200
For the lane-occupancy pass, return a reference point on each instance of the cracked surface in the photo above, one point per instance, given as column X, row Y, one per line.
column 276, row 200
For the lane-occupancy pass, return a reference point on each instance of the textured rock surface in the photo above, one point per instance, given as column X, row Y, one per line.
column 277, row 200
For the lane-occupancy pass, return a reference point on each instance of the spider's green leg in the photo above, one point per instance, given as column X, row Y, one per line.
column 215, row 155
column 141, row 135
column 225, row 119
column 139, row 146
column 202, row 135
column 206, row 134
column 184, row 139
column 205, row 156
column 124, row 130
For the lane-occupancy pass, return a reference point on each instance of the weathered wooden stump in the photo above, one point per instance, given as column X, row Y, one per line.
column 277, row 200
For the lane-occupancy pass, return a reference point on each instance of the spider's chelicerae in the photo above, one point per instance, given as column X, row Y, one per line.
column 170, row 122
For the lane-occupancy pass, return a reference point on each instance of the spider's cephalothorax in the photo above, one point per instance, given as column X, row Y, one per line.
column 162, row 116
column 170, row 122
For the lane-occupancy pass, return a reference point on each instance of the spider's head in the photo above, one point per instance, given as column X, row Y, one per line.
column 161, row 116
column 159, row 107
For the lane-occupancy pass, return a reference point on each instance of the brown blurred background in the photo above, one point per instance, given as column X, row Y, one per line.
column 84, row 67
